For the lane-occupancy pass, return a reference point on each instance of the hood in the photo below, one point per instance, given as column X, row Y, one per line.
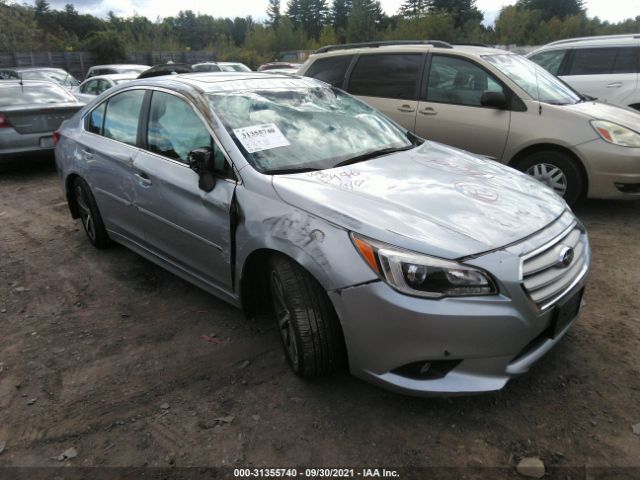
column 627, row 117
column 433, row 199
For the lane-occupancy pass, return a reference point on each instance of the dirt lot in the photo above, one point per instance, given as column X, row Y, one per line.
column 104, row 352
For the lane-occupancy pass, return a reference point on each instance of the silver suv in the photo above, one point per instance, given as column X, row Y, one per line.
column 497, row 104
column 428, row 269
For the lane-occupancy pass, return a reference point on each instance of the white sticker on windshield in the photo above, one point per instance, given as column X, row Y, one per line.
column 261, row 137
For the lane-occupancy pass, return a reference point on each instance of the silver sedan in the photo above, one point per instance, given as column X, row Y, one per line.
column 424, row 268
column 30, row 112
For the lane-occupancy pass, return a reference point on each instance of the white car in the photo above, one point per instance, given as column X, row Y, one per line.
column 604, row 67
column 116, row 68
column 94, row 86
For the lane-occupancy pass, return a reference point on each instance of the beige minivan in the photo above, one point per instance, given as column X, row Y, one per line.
column 497, row 104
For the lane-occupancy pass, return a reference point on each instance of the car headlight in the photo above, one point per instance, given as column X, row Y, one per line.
column 616, row 134
column 421, row 275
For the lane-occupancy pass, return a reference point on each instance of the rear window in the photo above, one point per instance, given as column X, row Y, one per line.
column 331, row 69
column 32, row 95
column 387, row 75
column 602, row 61
column 550, row 60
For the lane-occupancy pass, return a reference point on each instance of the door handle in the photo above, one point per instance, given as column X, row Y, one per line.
column 428, row 111
column 143, row 179
column 615, row 85
column 87, row 154
column 406, row 108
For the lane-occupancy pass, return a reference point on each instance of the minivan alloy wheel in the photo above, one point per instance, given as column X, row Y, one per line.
column 550, row 175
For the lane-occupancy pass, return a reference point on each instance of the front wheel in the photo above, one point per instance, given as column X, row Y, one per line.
column 308, row 325
column 556, row 170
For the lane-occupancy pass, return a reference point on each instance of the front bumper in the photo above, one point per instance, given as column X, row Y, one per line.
column 614, row 171
column 487, row 339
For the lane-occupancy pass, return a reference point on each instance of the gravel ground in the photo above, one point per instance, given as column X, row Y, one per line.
column 103, row 352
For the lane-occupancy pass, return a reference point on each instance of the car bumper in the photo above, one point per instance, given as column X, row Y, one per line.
column 14, row 145
column 614, row 172
column 485, row 341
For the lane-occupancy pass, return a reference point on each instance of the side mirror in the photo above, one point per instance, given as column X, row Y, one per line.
column 200, row 160
column 494, row 100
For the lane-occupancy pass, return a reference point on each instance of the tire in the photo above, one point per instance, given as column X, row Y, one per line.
column 546, row 165
column 308, row 325
column 90, row 215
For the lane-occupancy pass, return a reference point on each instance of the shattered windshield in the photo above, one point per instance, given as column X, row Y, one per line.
column 303, row 128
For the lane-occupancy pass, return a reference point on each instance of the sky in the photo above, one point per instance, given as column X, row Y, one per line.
column 611, row 10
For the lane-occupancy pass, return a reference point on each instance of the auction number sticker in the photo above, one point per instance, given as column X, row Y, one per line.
column 261, row 137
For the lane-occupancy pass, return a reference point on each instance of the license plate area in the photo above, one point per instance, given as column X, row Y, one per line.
column 565, row 312
column 46, row 142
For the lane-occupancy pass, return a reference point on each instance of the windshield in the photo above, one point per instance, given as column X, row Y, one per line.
column 304, row 128
column 30, row 94
column 234, row 67
column 61, row 78
column 536, row 81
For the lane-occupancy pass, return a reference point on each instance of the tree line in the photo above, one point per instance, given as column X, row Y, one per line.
column 294, row 25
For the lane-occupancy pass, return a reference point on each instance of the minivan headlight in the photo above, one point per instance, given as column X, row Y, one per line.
column 421, row 275
column 616, row 134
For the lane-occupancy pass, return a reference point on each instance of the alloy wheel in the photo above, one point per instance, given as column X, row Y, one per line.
column 284, row 318
column 85, row 213
column 551, row 175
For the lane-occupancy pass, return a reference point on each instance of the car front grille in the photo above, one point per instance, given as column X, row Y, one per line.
column 550, row 271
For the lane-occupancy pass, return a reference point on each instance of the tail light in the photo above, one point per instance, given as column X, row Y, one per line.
column 4, row 121
column 56, row 137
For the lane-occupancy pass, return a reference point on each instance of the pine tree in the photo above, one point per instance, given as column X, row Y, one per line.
column 340, row 11
column 365, row 18
column 553, row 8
column 310, row 15
column 413, row 8
column 273, row 13
column 462, row 11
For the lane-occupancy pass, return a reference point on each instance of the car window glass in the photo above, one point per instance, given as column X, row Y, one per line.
column 90, row 87
column 388, row 76
column 8, row 74
column 458, row 81
column 121, row 121
column 94, row 123
column 550, row 60
column 103, row 85
column 174, row 128
column 330, row 69
column 602, row 61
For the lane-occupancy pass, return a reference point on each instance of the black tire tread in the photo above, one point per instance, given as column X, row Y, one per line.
column 320, row 341
column 102, row 240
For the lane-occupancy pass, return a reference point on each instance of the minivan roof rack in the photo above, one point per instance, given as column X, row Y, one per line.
column 347, row 46
column 596, row 37
column 471, row 44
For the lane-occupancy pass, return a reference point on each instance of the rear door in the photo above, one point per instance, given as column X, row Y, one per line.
column 389, row 82
column 108, row 148
column 607, row 73
column 450, row 110
column 185, row 225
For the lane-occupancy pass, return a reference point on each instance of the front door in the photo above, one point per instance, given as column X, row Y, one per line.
column 183, row 224
column 450, row 111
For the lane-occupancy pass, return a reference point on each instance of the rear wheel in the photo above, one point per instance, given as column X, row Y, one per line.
column 308, row 325
column 556, row 170
column 89, row 214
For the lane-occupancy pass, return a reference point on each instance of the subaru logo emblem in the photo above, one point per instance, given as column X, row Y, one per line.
column 565, row 257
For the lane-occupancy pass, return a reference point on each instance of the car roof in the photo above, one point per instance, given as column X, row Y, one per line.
column 403, row 47
column 32, row 83
column 119, row 65
column 42, row 69
column 602, row 40
column 113, row 76
column 207, row 82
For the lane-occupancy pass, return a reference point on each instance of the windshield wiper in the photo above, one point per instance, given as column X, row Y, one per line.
column 373, row 154
column 284, row 171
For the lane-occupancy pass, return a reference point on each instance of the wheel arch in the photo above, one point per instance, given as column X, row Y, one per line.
column 541, row 147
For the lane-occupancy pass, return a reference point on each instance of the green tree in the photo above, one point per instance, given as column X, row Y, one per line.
column 310, row 15
column 18, row 29
column 553, row 8
column 273, row 14
column 463, row 11
column 366, row 17
column 107, row 46
column 413, row 8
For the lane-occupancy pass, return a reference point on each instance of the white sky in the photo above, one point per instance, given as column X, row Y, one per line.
column 612, row 10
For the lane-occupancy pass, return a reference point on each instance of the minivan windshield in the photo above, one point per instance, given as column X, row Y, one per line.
column 285, row 130
column 536, row 81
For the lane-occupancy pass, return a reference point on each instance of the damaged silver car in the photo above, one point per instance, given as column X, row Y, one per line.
column 423, row 268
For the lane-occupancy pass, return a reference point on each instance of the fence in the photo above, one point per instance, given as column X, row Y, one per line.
column 77, row 63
